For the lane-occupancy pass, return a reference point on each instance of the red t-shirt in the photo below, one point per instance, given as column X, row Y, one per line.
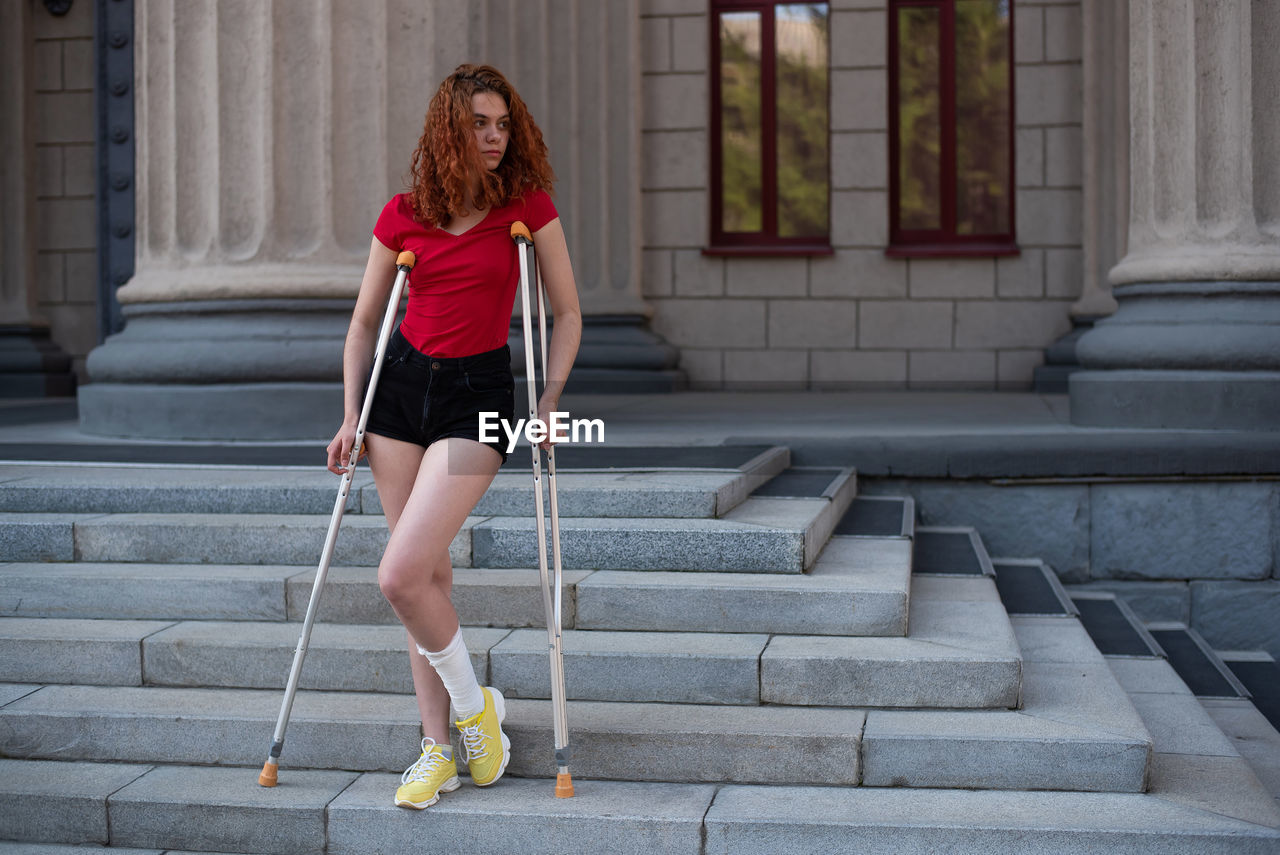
column 462, row 287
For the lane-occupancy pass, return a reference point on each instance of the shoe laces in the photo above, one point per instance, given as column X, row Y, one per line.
column 474, row 742
column 426, row 765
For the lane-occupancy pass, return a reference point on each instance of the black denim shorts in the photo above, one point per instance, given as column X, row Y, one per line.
column 422, row 398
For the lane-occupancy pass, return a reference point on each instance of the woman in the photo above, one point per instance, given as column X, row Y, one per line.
column 480, row 165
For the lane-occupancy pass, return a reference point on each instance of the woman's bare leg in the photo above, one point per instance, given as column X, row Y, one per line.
column 416, row 574
column 395, row 468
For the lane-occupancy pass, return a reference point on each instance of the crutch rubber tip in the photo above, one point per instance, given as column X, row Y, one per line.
column 564, row 786
column 519, row 231
column 406, row 259
column 268, row 776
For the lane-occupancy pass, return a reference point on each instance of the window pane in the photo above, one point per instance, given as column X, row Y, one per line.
column 741, row 160
column 982, row 117
column 801, row 31
column 919, row 120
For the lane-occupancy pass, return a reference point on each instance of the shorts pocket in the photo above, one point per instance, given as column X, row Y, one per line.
column 489, row 380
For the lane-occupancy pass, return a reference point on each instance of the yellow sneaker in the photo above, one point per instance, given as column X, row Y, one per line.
column 424, row 781
column 486, row 747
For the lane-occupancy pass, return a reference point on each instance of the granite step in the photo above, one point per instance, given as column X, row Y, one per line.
column 959, row 654
column 53, row 650
column 482, row 597
column 1251, row 724
column 51, row 802
column 213, row 653
column 294, row 539
column 1055, row 741
column 706, row 668
column 256, row 592
column 656, row 489
column 746, row 820
column 858, row 586
column 1075, row 728
column 692, row 495
column 15, row 848
column 147, row 591
column 133, row 489
column 761, row 535
column 380, row 732
column 212, row 489
column 201, row 808
column 39, row 537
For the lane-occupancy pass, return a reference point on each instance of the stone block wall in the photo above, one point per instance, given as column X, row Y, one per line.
column 858, row 318
column 66, row 279
column 1205, row 553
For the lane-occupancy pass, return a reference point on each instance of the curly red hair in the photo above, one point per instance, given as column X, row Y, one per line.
column 447, row 163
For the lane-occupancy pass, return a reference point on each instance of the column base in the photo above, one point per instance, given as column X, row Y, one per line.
column 1184, row 399
column 259, row 370
column 222, row 411
column 618, row 354
column 32, row 365
column 1060, row 362
column 227, row 370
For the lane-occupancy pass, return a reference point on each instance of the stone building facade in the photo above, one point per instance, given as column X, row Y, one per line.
column 269, row 134
column 638, row 218
column 48, row 297
column 857, row 318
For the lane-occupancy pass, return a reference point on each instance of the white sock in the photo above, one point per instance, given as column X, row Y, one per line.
column 453, row 664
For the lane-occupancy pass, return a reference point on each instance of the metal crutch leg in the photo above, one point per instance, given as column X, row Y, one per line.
column 404, row 263
column 551, row 586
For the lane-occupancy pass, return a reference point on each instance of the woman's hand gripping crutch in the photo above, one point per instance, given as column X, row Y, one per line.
column 404, row 263
column 551, row 587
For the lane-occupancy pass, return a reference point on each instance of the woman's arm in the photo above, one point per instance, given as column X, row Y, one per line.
column 357, row 353
column 562, row 294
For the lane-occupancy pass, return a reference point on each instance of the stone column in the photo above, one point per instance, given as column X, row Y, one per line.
column 1106, row 151
column 270, row 133
column 1195, row 342
column 576, row 63
column 31, row 365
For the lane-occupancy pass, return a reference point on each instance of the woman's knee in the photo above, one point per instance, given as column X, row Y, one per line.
column 404, row 583
column 392, row 583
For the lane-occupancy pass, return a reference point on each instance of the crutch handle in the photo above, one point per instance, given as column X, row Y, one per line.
column 406, row 260
column 520, row 232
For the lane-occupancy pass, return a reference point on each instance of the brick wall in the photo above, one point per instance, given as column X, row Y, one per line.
column 858, row 317
column 65, row 176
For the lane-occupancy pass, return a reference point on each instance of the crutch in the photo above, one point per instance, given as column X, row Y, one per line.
column 550, row 594
column 404, row 263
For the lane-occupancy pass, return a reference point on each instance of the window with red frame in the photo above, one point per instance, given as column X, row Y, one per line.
column 770, row 127
column 951, row 128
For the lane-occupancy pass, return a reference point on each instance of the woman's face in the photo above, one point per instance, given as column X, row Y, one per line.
column 492, row 127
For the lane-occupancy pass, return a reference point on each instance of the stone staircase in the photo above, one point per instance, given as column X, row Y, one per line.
column 757, row 660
